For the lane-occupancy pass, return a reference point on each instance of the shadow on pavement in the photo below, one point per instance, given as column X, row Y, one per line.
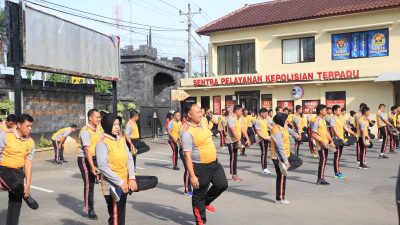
column 172, row 188
column 71, row 222
column 258, row 195
column 3, row 216
column 71, row 203
column 163, row 212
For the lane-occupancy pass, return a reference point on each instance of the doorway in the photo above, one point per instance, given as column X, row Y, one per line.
column 205, row 102
column 249, row 100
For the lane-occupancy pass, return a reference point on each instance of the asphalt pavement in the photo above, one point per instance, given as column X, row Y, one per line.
column 366, row 197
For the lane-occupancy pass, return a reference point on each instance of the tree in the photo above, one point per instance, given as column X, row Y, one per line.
column 58, row 78
column 102, row 86
column 30, row 74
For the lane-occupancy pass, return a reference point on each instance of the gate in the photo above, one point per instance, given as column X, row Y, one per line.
column 149, row 125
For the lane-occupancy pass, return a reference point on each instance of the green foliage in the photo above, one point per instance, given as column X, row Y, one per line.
column 58, row 78
column 30, row 74
column 102, row 86
column 6, row 106
column 131, row 106
column 120, row 107
column 43, row 143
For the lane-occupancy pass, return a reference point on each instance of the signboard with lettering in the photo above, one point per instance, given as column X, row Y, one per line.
column 310, row 106
column 286, row 104
column 340, row 46
column 341, row 102
column 230, row 102
column 378, row 43
column 266, row 103
column 217, row 105
column 276, row 78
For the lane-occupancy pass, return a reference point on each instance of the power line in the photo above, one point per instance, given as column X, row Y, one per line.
column 170, row 5
column 105, row 17
column 205, row 13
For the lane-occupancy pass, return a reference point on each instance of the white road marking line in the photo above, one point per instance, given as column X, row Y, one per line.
column 160, row 160
column 164, row 153
column 42, row 189
column 140, row 168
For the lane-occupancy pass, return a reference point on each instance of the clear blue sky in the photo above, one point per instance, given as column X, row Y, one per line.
column 157, row 13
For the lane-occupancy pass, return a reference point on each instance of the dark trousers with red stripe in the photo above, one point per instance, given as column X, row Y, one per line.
column 221, row 138
column 116, row 210
column 233, row 154
column 211, row 173
column 362, row 151
column 264, row 149
column 384, row 134
column 280, row 181
column 89, row 179
column 310, row 141
column 13, row 181
column 296, row 147
column 58, row 151
column 186, row 175
column 392, row 141
column 336, row 159
column 175, row 152
column 323, row 156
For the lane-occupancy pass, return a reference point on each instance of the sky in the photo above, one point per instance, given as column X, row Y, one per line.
column 161, row 13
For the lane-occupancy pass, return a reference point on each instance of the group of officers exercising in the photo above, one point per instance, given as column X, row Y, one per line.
column 107, row 155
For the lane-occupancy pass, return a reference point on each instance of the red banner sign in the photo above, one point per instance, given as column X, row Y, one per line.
column 217, row 105
column 266, row 103
column 341, row 103
column 310, row 106
column 286, row 104
column 277, row 78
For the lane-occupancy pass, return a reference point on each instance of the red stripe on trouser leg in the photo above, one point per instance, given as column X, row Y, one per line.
column 281, row 194
column 198, row 216
column 233, row 156
column 323, row 164
column 173, row 152
column 386, row 140
column 86, row 185
column 115, row 213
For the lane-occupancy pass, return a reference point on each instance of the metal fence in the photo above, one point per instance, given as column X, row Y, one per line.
column 152, row 121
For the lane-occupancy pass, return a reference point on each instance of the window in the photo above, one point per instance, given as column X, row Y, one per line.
column 298, row 50
column 336, row 98
column 236, row 59
column 363, row 44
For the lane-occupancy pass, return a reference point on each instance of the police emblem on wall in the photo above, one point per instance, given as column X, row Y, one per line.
column 296, row 92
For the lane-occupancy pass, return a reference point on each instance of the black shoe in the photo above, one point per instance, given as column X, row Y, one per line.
column 322, row 182
column 31, row 202
column 243, row 154
column 364, row 167
column 176, row 168
column 383, row 156
column 64, row 161
column 92, row 215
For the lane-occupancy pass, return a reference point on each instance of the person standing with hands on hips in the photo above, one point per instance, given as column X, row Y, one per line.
column 202, row 163
column 117, row 168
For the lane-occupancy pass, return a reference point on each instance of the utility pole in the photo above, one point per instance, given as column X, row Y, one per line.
column 189, row 15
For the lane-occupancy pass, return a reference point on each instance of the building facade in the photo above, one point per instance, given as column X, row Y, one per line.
column 302, row 52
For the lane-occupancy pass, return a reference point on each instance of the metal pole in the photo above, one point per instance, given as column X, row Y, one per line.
column 205, row 65
column 16, row 55
column 130, row 17
column 115, row 100
column 189, row 42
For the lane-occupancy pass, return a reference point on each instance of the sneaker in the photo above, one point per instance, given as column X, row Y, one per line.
column 340, row 176
column 331, row 148
column 283, row 202
column 383, row 156
column 222, row 148
column 176, row 168
column 236, row 178
column 210, row 208
column 365, row 167
column 380, row 140
column 314, row 155
column 190, row 194
column 322, row 182
column 358, row 162
column 243, row 154
column 92, row 215
column 64, row 161
column 31, row 202
column 114, row 194
column 266, row 171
